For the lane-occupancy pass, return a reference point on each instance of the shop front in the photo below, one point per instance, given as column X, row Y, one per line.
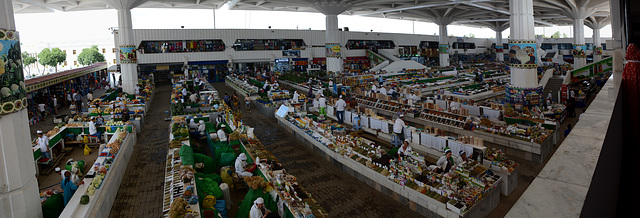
column 214, row 71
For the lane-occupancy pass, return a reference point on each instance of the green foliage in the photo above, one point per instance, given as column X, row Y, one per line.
column 564, row 35
column 471, row 35
column 27, row 59
column 556, row 35
column 52, row 57
column 90, row 56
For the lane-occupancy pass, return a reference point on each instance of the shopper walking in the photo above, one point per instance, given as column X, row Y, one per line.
column 90, row 97
column 322, row 103
column 55, row 105
column 69, row 99
column 78, row 99
column 41, row 107
column 43, row 144
column 340, row 106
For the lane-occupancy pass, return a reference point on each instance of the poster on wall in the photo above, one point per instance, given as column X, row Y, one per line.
column 443, row 49
column 332, row 50
column 12, row 87
column 128, row 54
column 291, row 54
column 522, row 54
column 579, row 51
column 597, row 50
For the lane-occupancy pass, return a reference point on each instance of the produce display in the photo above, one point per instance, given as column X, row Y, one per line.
column 242, row 85
column 74, row 125
column 497, row 158
column 460, row 188
column 114, row 123
column 52, row 132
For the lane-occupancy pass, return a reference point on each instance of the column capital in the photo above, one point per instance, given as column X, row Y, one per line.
column 124, row 4
column 579, row 13
column 596, row 23
column 330, row 8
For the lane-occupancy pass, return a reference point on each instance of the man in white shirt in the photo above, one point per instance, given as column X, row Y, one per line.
column 331, row 85
column 137, row 89
column 383, row 90
column 296, row 97
column 193, row 98
column 69, row 99
column 398, row 127
column 405, row 149
column 93, row 131
column 340, row 106
column 90, row 97
column 322, row 103
column 184, row 92
column 43, row 144
column 373, row 88
column 42, row 111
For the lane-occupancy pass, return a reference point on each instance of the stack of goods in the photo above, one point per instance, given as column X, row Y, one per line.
column 105, row 159
column 52, row 132
column 444, row 118
column 498, row 161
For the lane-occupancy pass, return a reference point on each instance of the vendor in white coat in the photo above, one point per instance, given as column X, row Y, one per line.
column 340, row 106
column 383, row 90
column 241, row 165
column 258, row 210
column 398, row 127
column 462, row 158
column 405, row 149
column 221, row 134
column 193, row 124
column 296, row 97
column 445, row 163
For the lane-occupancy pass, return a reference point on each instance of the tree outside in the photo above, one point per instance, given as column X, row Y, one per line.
column 556, row 35
column 52, row 57
column 90, row 56
column 28, row 60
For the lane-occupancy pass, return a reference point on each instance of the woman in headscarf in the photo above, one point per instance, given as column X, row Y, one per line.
column 241, row 164
column 68, row 187
column 258, row 210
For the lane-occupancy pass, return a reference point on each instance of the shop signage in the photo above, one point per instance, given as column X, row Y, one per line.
column 128, row 54
column 522, row 54
column 12, row 88
column 332, row 50
column 443, row 48
column 291, row 54
column 162, row 67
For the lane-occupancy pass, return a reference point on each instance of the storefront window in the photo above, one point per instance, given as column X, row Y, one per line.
column 204, row 45
column 268, row 44
column 368, row 44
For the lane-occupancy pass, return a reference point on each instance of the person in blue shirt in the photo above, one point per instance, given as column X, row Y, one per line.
column 567, row 131
column 68, row 187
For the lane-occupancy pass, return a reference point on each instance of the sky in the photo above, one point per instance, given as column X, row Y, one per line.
column 86, row 28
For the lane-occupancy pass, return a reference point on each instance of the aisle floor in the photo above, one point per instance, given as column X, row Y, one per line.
column 339, row 193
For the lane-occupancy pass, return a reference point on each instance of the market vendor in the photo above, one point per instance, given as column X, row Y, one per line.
column 463, row 157
column 445, row 163
column 202, row 128
column 193, row 124
column 258, row 210
column 69, row 187
column 398, row 127
column 43, row 144
column 99, row 120
column 221, row 134
column 93, row 131
column 220, row 118
column 405, row 149
column 243, row 169
column 295, row 98
column 74, row 174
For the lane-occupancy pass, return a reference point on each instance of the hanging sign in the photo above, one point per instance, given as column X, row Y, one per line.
column 12, row 88
column 332, row 50
column 522, row 53
column 128, row 54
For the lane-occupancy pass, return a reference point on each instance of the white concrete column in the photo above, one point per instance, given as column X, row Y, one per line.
column 579, row 57
column 597, row 45
column 129, row 70
column 443, row 47
column 19, row 195
column 499, row 48
column 332, row 36
column 522, row 32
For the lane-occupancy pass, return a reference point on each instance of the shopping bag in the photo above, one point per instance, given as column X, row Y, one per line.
column 87, row 150
column 86, row 139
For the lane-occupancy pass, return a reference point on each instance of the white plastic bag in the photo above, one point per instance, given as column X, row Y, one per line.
column 250, row 134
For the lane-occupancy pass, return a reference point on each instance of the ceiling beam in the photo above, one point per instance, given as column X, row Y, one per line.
column 233, row 3
column 39, row 4
column 418, row 7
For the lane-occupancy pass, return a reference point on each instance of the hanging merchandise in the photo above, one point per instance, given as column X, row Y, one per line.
column 524, row 96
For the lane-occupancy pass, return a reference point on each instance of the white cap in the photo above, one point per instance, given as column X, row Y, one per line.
column 259, row 201
column 57, row 169
column 407, row 140
column 401, row 115
column 242, row 156
column 39, row 131
column 340, row 96
column 201, row 122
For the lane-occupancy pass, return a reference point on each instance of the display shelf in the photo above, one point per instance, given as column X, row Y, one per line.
column 444, row 118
